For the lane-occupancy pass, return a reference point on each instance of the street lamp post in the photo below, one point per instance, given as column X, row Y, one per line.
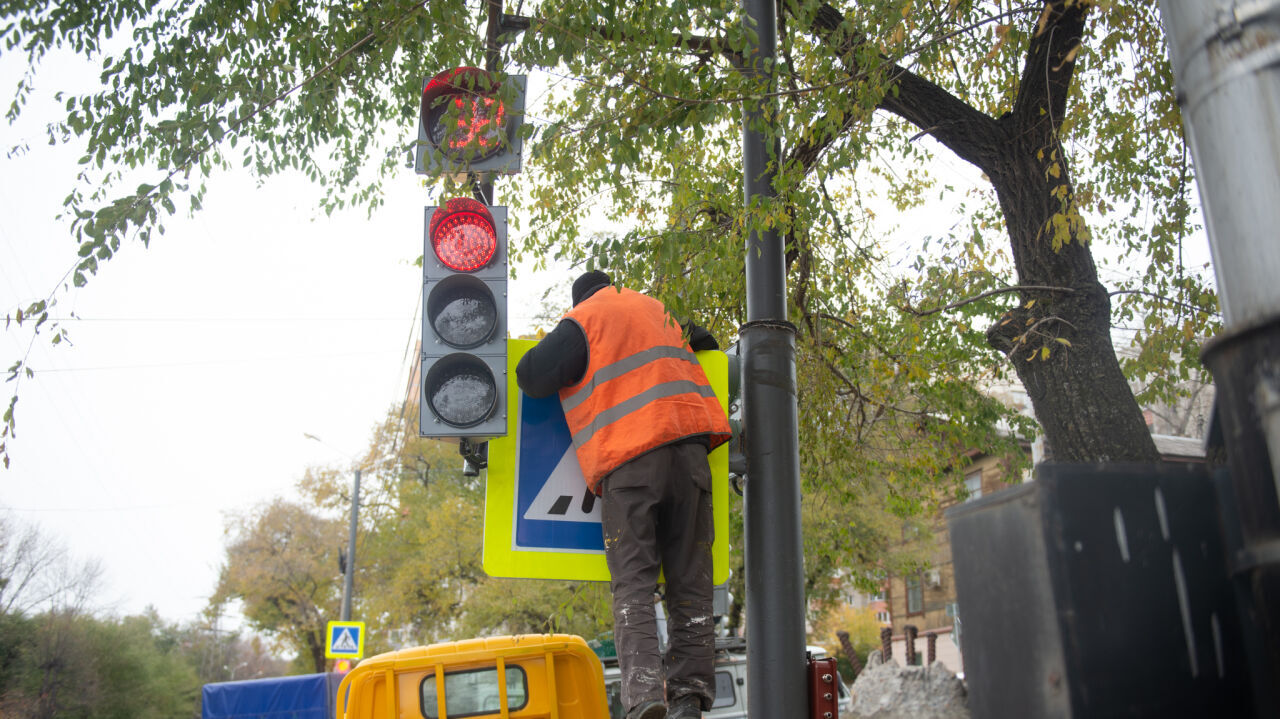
column 351, row 549
column 349, row 565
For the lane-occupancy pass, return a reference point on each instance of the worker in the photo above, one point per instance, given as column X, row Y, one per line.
column 643, row 418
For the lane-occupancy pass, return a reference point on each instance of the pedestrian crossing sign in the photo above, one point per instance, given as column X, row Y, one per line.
column 345, row 640
column 540, row 521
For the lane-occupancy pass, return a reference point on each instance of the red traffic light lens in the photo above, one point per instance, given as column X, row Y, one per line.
column 462, row 235
column 461, row 115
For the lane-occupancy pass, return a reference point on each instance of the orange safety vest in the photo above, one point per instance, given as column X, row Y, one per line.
column 643, row 386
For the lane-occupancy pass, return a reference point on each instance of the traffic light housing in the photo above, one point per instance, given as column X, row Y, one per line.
column 464, row 321
column 469, row 123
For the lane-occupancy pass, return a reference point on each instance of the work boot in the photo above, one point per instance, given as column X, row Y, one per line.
column 686, row 707
column 648, row 710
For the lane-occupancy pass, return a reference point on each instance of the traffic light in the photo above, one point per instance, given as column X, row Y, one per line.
column 464, row 321
column 469, row 123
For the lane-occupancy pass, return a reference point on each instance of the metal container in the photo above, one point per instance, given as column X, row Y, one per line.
column 1098, row 591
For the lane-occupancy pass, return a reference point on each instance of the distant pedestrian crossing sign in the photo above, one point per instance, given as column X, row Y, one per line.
column 540, row 520
column 345, row 640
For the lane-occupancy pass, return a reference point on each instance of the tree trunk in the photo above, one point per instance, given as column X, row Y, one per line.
column 1059, row 342
column 317, row 651
column 1080, row 396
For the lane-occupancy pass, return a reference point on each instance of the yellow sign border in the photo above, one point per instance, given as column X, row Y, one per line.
column 328, row 640
column 500, row 557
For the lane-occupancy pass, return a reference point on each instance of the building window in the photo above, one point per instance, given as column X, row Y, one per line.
column 915, row 595
column 973, row 485
column 882, row 616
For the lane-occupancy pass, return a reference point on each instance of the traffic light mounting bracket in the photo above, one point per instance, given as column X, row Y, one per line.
column 475, row 456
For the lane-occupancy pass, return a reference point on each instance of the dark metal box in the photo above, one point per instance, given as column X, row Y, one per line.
column 1098, row 591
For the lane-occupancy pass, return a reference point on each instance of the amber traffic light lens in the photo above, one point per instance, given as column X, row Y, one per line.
column 463, row 312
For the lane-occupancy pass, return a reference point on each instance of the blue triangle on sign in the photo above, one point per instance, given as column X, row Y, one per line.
column 544, row 441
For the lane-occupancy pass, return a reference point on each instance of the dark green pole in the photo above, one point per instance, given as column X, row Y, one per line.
column 771, row 505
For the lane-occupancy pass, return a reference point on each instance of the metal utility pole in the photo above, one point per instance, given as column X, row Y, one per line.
column 351, row 550
column 492, row 58
column 1224, row 60
column 771, row 501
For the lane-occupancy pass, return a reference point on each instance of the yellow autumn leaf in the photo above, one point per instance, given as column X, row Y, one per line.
column 1044, row 19
column 1063, row 340
column 1069, row 57
column 1044, row 352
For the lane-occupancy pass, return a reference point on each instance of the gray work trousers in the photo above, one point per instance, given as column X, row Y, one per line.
column 656, row 511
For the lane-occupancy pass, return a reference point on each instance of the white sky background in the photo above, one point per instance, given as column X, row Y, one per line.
column 198, row 363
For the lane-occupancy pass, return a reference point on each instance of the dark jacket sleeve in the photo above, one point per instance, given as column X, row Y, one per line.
column 558, row 360
column 699, row 338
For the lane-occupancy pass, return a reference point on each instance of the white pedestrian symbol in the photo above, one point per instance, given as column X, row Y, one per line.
column 564, row 497
column 345, row 642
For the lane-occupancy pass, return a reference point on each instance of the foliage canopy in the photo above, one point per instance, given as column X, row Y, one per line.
column 640, row 124
column 1064, row 108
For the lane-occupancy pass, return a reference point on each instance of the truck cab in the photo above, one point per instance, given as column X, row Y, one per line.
column 552, row 676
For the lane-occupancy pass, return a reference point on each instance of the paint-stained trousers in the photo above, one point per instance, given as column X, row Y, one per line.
column 656, row 512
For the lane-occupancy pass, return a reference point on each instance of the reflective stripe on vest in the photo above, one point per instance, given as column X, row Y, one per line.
column 618, row 411
column 623, row 366
column 643, row 387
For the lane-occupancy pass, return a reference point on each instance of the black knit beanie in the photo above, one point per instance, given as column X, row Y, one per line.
column 587, row 284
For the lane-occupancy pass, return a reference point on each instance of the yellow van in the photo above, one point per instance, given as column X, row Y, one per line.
column 555, row 676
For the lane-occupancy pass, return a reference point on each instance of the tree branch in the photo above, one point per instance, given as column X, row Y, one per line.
column 972, row 135
column 1050, row 64
column 697, row 45
column 1160, row 297
column 999, row 290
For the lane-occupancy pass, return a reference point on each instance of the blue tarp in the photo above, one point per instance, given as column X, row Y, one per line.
column 308, row 696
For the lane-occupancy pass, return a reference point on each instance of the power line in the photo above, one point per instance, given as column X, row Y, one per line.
column 201, row 363
column 226, row 319
column 139, row 507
